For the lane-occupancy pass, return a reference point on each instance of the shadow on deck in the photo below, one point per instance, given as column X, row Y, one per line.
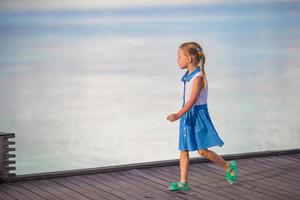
column 262, row 175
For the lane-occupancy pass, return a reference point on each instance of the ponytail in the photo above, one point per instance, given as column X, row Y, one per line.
column 202, row 63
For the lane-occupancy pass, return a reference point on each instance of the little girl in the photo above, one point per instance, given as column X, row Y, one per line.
column 196, row 130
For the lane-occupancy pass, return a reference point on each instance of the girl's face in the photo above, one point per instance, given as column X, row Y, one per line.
column 182, row 59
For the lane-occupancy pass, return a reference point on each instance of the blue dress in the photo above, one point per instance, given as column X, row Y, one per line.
column 196, row 130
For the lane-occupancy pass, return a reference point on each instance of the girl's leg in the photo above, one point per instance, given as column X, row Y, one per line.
column 215, row 158
column 184, row 165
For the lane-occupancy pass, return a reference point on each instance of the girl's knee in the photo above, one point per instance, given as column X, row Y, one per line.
column 203, row 152
column 184, row 153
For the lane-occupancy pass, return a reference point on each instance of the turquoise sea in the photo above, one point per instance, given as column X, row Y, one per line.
column 86, row 88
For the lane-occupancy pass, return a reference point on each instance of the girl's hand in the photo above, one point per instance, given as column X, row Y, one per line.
column 172, row 117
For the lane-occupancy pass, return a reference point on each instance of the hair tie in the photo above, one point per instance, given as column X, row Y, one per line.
column 199, row 49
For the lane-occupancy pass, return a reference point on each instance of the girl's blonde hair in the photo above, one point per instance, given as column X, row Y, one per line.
column 194, row 50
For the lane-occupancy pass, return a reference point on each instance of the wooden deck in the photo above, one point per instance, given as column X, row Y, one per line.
column 261, row 176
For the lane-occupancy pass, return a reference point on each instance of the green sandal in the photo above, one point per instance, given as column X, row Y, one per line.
column 174, row 186
column 231, row 178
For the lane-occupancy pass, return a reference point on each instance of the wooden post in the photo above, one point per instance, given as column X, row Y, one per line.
column 5, row 162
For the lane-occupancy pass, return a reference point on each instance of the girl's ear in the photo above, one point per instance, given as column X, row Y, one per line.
column 190, row 59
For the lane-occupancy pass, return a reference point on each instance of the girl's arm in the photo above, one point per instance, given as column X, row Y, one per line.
column 197, row 86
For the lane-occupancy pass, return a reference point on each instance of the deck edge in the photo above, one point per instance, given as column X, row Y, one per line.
column 173, row 162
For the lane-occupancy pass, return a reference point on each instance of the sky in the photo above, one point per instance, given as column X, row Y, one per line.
column 95, row 4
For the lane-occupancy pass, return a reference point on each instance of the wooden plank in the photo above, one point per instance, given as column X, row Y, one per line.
column 55, row 190
column 262, row 176
column 157, row 189
column 262, row 169
column 283, row 162
column 245, row 180
column 92, row 189
column 221, row 184
column 41, row 192
column 288, row 178
column 297, row 156
column 49, row 189
column 150, row 183
column 285, row 159
column 163, row 183
column 120, row 185
column 275, row 174
column 4, row 196
column 69, row 191
column 25, row 192
column 204, row 190
column 223, row 189
column 12, row 192
column 147, row 191
column 199, row 186
column 194, row 191
column 277, row 169
column 290, row 170
column 246, row 192
column 290, row 157
column 156, row 181
column 250, row 191
column 78, row 189
column 103, row 186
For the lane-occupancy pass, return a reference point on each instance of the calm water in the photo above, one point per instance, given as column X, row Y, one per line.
column 90, row 88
